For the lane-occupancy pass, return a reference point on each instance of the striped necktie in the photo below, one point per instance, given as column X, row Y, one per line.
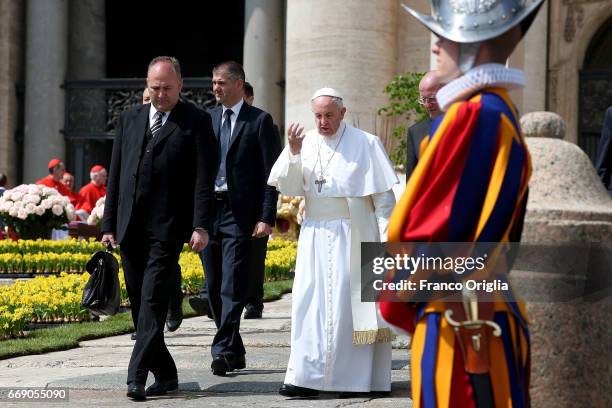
column 158, row 123
column 224, row 140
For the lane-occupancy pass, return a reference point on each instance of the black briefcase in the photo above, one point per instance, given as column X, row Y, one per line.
column 101, row 294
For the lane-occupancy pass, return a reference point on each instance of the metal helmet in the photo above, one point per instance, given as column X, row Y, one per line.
column 472, row 21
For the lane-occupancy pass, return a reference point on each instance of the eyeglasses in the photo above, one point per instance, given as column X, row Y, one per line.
column 426, row 100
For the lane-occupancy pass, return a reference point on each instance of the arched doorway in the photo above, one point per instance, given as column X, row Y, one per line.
column 595, row 91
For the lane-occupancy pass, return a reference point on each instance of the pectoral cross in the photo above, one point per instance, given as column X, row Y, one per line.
column 319, row 182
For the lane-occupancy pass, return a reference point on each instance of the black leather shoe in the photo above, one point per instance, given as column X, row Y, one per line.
column 222, row 364
column 288, row 390
column 174, row 318
column 162, row 387
column 136, row 392
column 379, row 394
column 236, row 363
column 252, row 314
column 200, row 305
column 133, row 336
column 371, row 394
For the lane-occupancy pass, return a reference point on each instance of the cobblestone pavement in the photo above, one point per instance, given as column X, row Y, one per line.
column 95, row 373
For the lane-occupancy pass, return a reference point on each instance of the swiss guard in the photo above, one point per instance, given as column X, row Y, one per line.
column 470, row 185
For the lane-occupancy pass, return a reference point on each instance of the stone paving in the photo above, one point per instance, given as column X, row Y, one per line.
column 95, row 373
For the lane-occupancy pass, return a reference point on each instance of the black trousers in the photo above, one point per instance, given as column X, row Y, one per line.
column 226, row 268
column 151, row 275
column 176, row 296
column 258, row 248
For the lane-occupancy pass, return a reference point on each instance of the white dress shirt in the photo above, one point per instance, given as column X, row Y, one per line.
column 153, row 112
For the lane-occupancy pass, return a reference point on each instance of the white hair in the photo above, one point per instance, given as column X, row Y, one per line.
column 92, row 174
column 338, row 101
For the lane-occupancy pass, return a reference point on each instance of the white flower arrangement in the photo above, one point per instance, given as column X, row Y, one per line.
column 34, row 210
column 95, row 218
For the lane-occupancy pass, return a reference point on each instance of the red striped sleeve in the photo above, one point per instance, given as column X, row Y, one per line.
column 429, row 216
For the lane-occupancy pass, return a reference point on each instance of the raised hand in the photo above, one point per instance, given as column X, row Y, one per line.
column 295, row 138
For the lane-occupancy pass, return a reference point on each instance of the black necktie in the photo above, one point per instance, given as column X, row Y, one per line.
column 157, row 125
column 224, row 140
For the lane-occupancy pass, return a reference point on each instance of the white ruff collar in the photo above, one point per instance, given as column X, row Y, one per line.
column 480, row 77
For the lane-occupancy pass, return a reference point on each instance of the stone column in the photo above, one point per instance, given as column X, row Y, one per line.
column 87, row 60
column 11, row 36
column 531, row 55
column 46, row 56
column 413, row 42
column 347, row 45
column 263, row 53
column 536, row 59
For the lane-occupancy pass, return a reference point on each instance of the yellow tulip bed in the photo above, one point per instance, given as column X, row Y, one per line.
column 280, row 259
column 43, row 262
column 72, row 246
column 57, row 298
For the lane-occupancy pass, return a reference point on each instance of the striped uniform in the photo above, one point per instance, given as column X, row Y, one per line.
column 470, row 185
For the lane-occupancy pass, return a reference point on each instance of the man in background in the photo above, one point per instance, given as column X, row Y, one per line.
column 428, row 87
column 249, row 94
column 75, row 198
column 54, row 178
column 245, row 209
column 145, row 97
column 257, row 254
column 95, row 189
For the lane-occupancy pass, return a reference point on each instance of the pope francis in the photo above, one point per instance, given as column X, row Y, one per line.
column 338, row 342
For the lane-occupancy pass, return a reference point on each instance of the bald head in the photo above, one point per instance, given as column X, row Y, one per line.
column 164, row 83
column 428, row 87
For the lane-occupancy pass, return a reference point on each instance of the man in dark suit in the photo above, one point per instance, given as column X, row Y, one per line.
column 428, row 86
column 174, row 318
column 245, row 209
column 603, row 161
column 257, row 258
column 160, row 195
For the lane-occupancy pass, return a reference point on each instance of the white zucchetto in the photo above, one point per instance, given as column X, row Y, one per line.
column 326, row 92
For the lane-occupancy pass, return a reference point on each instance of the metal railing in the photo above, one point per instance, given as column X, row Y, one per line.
column 93, row 106
column 92, row 111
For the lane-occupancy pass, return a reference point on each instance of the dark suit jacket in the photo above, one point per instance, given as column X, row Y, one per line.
column 603, row 161
column 253, row 149
column 184, row 155
column 416, row 134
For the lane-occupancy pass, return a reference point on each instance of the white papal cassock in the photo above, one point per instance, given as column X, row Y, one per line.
column 338, row 343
